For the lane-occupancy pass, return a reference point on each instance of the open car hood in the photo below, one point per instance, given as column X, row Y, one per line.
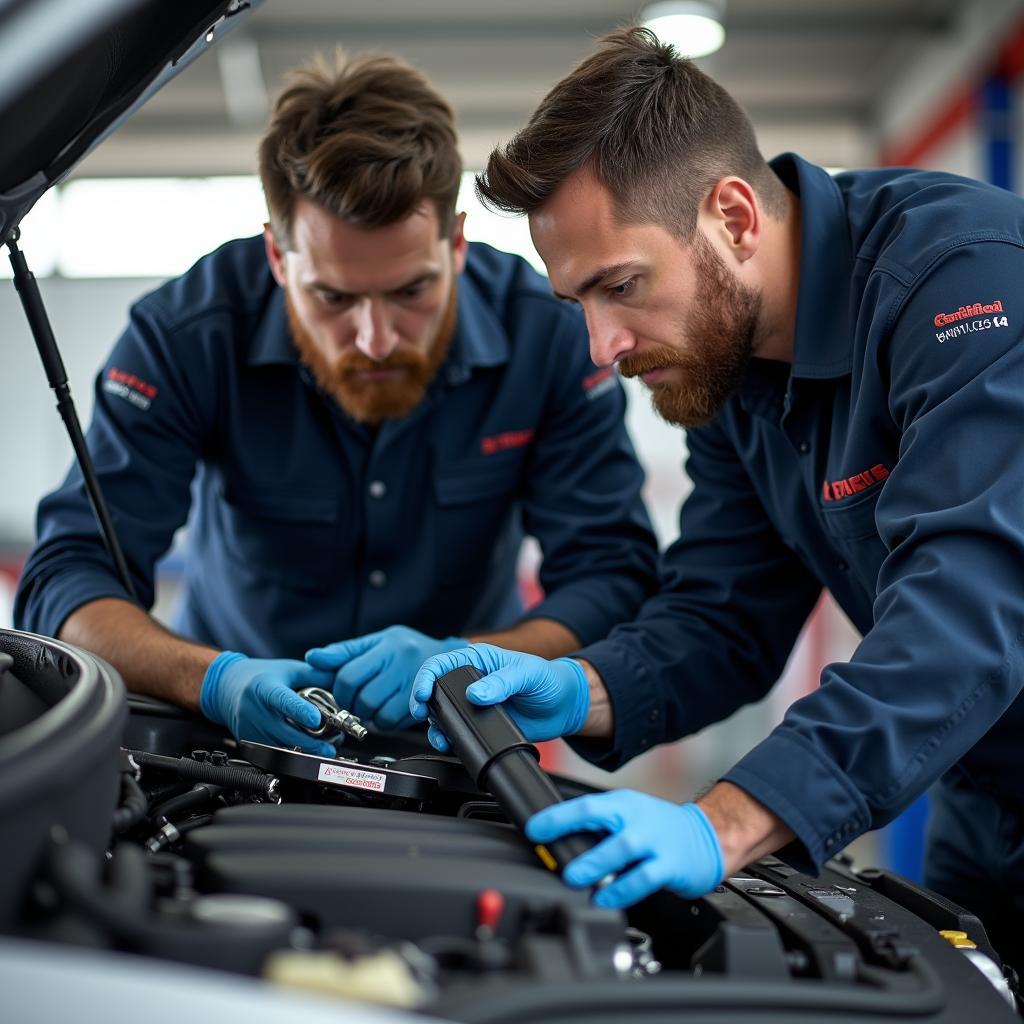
column 73, row 70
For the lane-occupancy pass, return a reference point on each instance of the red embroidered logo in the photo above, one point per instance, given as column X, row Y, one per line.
column 131, row 381
column 130, row 388
column 502, row 442
column 941, row 319
column 836, row 490
column 598, row 383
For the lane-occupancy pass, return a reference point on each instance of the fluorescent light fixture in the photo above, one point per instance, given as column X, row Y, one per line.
column 693, row 27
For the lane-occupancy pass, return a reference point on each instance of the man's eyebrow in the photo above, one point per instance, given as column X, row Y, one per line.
column 323, row 286
column 423, row 278
column 611, row 270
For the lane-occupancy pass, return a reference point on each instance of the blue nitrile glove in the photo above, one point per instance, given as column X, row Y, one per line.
column 375, row 672
column 663, row 845
column 546, row 699
column 253, row 696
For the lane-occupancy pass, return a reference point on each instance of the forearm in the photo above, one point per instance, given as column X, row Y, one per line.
column 150, row 659
column 600, row 720
column 543, row 637
column 746, row 829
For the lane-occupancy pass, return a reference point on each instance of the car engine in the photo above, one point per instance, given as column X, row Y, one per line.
column 388, row 875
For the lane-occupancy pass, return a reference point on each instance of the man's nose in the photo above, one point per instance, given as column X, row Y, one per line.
column 375, row 335
column 609, row 339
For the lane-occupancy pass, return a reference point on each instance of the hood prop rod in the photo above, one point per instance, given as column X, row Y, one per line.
column 39, row 324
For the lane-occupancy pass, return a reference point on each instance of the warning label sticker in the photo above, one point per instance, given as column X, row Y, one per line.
column 343, row 775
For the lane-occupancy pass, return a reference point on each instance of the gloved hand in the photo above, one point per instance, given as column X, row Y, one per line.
column 546, row 699
column 253, row 696
column 654, row 843
column 374, row 673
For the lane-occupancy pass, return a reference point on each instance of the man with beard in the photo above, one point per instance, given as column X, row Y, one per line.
column 373, row 411
column 847, row 356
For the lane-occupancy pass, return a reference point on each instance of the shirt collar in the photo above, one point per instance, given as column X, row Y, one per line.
column 479, row 340
column 272, row 342
column 823, row 344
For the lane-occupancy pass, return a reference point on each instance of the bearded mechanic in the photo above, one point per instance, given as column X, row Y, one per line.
column 373, row 410
column 847, row 356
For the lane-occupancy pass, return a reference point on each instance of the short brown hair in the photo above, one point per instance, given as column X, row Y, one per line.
column 654, row 129
column 368, row 139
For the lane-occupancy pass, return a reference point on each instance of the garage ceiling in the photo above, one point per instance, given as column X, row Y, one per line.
column 813, row 74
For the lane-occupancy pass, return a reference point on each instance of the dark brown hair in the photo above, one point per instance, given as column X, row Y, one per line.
column 654, row 129
column 367, row 139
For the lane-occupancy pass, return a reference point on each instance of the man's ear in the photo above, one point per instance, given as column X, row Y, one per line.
column 460, row 246
column 275, row 255
column 734, row 216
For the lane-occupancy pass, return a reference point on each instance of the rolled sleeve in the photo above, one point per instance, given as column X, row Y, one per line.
column 637, row 705
column 48, row 598
column 826, row 812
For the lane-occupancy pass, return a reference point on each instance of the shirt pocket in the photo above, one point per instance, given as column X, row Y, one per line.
column 282, row 536
column 854, row 520
column 475, row 502
column 852, row 530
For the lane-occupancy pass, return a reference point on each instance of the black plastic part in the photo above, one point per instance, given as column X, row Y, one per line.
column 942, row 914
column 162, row 728
column 831, row 953
column 128, row 923
column 407, row 893
column 744, row 944
column 247, row 780
column 341, row 772
column 60, row 770
column 500, row 758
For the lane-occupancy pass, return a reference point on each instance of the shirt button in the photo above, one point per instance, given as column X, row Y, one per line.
column 378, row 489
column 803, row 447
column 842, row 566
column 655, row 715
column 829, row 843
column 377, row 578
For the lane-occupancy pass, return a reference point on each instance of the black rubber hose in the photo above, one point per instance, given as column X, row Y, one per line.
column 200, row 794
column 170, row 833
column 134, row 805
column 248, row 780
column 131, row 880
column 73, row 870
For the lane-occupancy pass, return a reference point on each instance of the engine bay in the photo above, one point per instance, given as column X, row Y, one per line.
column 388, row 875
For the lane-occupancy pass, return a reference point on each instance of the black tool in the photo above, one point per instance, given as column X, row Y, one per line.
column 500, row 759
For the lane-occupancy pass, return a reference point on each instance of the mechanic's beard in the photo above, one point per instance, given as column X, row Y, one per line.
column 716, row 343
column 372, row 402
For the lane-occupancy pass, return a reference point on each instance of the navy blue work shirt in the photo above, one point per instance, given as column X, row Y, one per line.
column 886, row 464
column 308, row 527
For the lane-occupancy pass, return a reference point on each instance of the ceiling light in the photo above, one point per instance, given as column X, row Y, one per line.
column 693, row 27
